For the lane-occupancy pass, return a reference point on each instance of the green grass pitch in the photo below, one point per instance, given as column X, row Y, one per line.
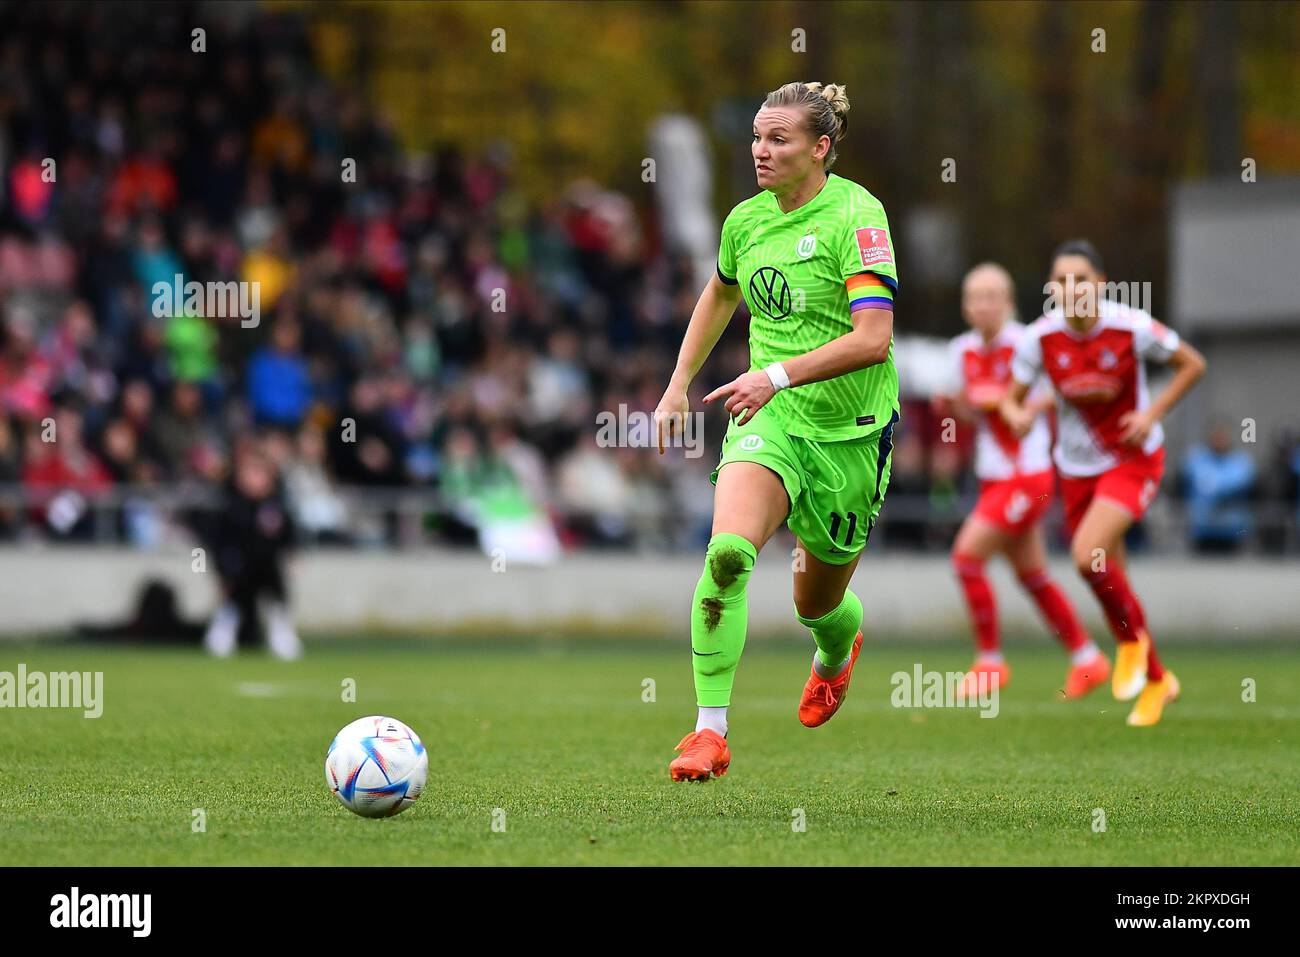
column 556, row 734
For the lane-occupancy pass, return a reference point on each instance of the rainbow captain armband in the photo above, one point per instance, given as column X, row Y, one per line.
column 869, row 291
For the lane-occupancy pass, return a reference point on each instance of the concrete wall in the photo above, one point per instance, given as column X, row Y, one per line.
column 49, row 589
column 1252, row 375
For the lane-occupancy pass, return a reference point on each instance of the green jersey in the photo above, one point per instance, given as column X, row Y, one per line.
column 798, row 272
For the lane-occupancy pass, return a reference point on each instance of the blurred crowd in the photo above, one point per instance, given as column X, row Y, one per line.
column 421, row 327
column 1230, row 501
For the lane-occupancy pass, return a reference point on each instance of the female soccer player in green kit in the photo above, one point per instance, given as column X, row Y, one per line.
column 812, row 421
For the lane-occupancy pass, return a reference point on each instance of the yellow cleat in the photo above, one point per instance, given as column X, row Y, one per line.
column 1151, row 703
column 1130, row 675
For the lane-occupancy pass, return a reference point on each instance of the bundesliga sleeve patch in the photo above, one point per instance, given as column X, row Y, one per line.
column 873, row 245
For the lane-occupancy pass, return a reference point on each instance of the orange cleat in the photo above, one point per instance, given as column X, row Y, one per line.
column 998, row 677
column 822, row 698
column 703, row 753
column 1130, row 675
column 1083, row 678
column 1151, row 702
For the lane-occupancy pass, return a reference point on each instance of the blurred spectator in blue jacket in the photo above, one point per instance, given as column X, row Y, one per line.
column 279, row 383
column 1219, row 481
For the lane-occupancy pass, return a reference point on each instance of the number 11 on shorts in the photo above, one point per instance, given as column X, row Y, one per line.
column 835, row 527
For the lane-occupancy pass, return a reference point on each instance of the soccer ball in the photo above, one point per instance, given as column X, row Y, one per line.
column 376, row 766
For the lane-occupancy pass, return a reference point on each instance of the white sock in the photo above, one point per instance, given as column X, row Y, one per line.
column 830, row 671
column 219, row 640
column 1084, row 654
column 989, row 658
column 281, row 635
column 715, row 719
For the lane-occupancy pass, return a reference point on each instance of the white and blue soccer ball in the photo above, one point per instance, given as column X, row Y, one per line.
column 376, row 766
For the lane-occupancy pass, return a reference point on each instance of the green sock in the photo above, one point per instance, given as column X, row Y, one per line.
column 719, row 617
column 834, row 631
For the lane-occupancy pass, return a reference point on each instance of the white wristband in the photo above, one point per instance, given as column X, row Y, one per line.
column 776, row 373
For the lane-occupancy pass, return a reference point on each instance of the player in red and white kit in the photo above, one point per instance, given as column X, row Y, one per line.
column 1109, row 444
column 1016, row 487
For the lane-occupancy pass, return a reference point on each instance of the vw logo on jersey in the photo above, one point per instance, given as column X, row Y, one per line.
column 769, row 292
column 807, row 246
column 751, row 443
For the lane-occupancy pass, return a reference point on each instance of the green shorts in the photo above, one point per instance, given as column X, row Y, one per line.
column 835, row 488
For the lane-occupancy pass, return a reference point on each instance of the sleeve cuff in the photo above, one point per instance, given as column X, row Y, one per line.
column 724, row 277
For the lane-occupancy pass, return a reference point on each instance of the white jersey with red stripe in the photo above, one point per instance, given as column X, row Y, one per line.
column 982, row 373
column 1098, row 377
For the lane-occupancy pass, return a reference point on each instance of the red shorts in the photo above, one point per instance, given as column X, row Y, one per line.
column 1016, row 504
column 1131, row 485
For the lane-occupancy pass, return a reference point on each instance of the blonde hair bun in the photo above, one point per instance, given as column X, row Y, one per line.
column 827, row 106
column 833, row 93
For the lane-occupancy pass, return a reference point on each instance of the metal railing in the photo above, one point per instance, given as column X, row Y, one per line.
column 404, row 517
